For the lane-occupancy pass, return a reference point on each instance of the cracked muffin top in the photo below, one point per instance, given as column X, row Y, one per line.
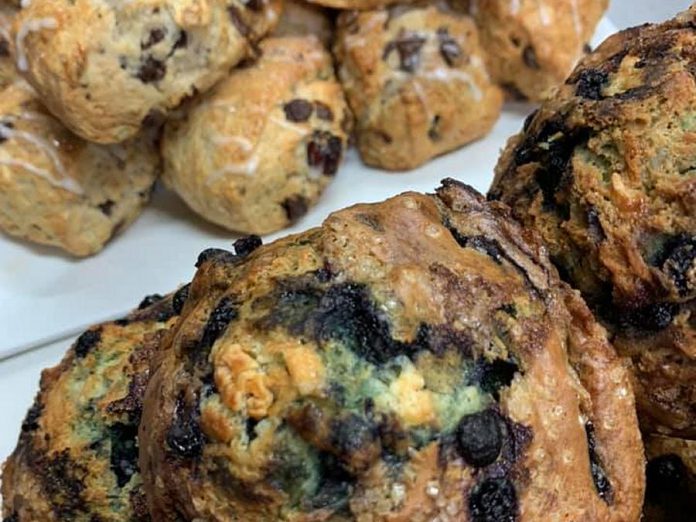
column 414, row 359
column 605, row 171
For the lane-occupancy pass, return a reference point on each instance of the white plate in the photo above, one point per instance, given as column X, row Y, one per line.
column 46, row 296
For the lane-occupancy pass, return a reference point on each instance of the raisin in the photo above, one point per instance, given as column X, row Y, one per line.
column 246, row 245
column 182, row 41
column 156, row 36
column 530, row 58
column 149, row 300
column 665, row 474
column 106, row 207
column 323, row 111
column 124, row 452
column 31, row 420
column 599, row 475
column 184, row 436
column 480, row 438
column 590, row 84
column 298, row 110
column 295, row 207
column 408, row 48
column 86, row 342
column 180, row 298
column 324, row 151
column 449, row 48
column 494, row 500
column 151, row 70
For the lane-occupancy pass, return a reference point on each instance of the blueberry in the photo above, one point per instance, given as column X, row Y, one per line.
column 480, row 438
column 494, row 500
column 149, row 300
column 246, row 245
column 86, row 342
column 180, row 298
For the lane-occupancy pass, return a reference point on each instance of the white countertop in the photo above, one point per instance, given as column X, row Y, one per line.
column 19, row 375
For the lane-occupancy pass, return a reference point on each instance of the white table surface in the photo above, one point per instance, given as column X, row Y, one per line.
column 19, row 375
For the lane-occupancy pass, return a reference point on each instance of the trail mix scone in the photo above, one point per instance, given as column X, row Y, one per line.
column 532, row 45
column 57, row 189
column 77, row 455
column 256, row 153
column 671, row 479
column 415, row 80
column 605, row 172
column 300, row 18
column 103, row 66
column 408, row 360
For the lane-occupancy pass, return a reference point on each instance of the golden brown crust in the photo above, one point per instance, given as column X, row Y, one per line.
column 532, row 45
column 255, row 154
column 604, row 172
column 415, row 80
column 408, row 360
column 103, row 67
column 300, row 18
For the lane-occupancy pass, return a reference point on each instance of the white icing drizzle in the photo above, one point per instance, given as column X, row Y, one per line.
column 247, row 168
column 29, row 26
column 25, row 3
column 68, row 184
column 241, row 141
column 545, row 14
column 577, row 21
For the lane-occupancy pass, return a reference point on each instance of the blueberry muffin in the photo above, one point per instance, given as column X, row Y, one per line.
column 532, row 45
column 605, row 172
column 57, row 189
column 301, row 19
column 256, row 153
column 77, row 455
column 103, row 66
column 408, row 360
column 415, row 80
column 670, row 494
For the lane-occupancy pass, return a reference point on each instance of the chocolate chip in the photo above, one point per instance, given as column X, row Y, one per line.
column 254, row 5
column 323, row 111
column 31, row 420
column 238, row 21
column 494, row 500
column 530, row 58
column 434, row 130
column 4, row 48
column 246, row 245
column 152, row 70
column 86, row 342
column 480, row 438
column 449, row 48
column 182, row 41
column 408, row 48
column 156, row 36
column 587, row 48
column 665, row 474
column 298, row 110
column 590, row 84
column 180, row 298
column 149, row 300
column 106, row 207
column 324, row 150
column 295, row 207
column 599, row 475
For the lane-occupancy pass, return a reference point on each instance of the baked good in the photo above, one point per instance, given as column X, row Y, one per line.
column 57, row 189
column 358, row 4
column 256, row 153
column 408, row 360
column 604, row 172
column 300, row 18
column 415, row 80
column 532, row 45
column 671, row 479
column 8, row 73
column 102, row 67
column 77, row 455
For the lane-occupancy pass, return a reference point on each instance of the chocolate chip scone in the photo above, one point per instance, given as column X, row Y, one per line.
column 670, row 495
column 77, row 455
column 103, row 66
column 302, row 19
column 415, row 80
column 605, row 172
column 57, row 189
column 256, row 153
column 408, row 360
column 532, row 45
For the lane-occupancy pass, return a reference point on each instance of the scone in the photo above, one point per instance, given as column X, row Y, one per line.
column 605, row 172
column 57, row 189
column 77, row 455
column 412, row 360
column 532, row 45
column 8, row 73
column 671, row 479
column 300, row 18
column 358, row 4
column 415, row 80
column 102, row 67
column 256, row 153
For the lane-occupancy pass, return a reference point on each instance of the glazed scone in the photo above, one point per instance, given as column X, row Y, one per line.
column 77, row 455
column 670, row 494
column 415, row 80
column 300, row 18
column 532, row 45
column 57, row 189
column 605, row 172
column 102, row 67
column 412, row 360
column 256, row 153
column 8, row 72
